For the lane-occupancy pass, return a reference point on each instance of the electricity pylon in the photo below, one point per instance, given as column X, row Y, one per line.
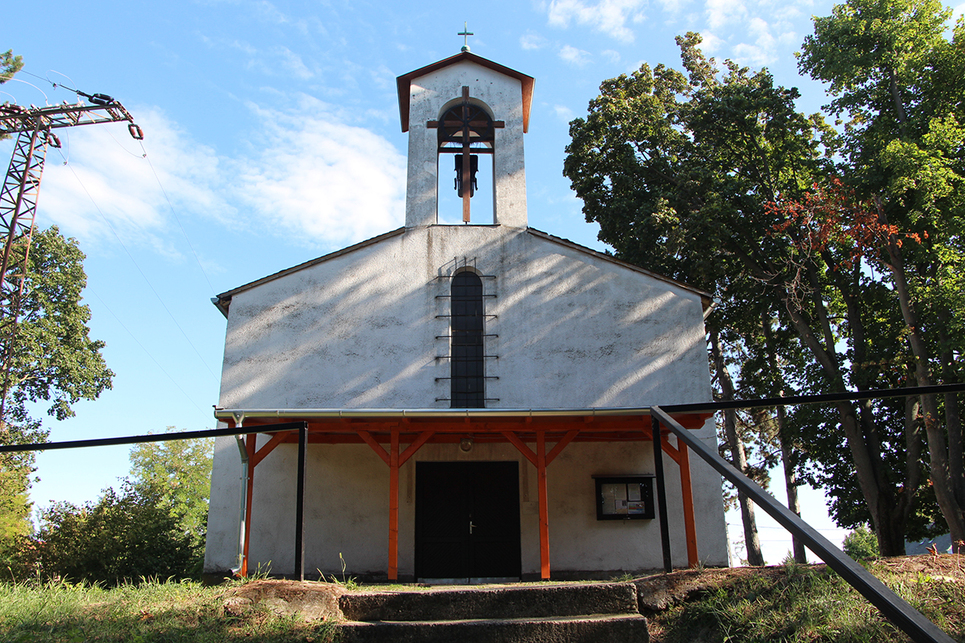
column 21, row 188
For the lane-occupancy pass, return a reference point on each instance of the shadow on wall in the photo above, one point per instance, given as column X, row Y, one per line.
column 368, row 329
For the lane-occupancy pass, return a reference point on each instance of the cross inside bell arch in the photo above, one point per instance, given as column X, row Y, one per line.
column 466, row 130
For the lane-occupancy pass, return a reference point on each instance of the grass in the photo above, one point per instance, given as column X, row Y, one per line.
column 806, row 603
column 790, row 603
column 149, row 612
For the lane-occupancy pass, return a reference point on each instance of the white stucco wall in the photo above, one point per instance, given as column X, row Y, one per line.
column 360, row 329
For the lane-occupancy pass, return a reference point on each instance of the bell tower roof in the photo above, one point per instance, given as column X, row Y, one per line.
column 405, row 81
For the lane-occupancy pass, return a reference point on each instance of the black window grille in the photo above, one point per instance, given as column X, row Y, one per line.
column 467, row 372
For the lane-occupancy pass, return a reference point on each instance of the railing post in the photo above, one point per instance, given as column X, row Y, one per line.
column 661, row 494
column 300, row 503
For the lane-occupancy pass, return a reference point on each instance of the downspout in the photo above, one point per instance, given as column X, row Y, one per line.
column 245, row 473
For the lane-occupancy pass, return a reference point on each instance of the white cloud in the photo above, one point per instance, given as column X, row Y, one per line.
column 604, row 16
column 564, row 113
column 313, row 180
column 611, row 55
column 333, row 182
column 292, row 62
column 107, row 187
column 722, row 12
column 710, row 43
column 574, row 56
column 530, row 41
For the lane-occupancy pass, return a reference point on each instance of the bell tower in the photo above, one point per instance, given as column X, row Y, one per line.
column 464, row 113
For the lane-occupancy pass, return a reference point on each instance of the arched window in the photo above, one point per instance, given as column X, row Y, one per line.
column 467, row 373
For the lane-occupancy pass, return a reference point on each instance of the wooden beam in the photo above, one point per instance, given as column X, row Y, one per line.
column 519, row 444
column 249, row 490
column 566, row 439
column 687, row 496
column 394, row 507
column 379, row 450
column 267, row 448
column 415, row 446
column 544, row 521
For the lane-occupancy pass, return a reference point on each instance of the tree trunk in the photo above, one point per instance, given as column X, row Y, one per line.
column 738, row 456
column 938, row 448
column 790, row 477
column 790, row 482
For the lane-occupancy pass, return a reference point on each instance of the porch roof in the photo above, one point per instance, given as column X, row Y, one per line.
column 451, row 425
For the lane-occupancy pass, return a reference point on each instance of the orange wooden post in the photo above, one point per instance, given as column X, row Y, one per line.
column 394, row 507
column 249, row 491
column 687, row 496
column 544, row 521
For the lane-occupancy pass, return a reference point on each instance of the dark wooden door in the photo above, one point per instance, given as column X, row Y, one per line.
column 467, row 520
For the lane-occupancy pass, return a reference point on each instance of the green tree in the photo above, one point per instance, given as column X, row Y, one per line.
column 894, row 72
column 679, row 171
column 9, row 65
column 124, row 537
column 178, row 473
column 54, row 361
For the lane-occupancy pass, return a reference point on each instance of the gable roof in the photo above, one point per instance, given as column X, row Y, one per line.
column 223, row 301
column 404, row 82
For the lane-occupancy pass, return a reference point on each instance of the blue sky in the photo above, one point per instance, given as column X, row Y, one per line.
column 272, row 136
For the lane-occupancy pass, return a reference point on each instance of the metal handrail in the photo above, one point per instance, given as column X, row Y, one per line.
column 899, row 612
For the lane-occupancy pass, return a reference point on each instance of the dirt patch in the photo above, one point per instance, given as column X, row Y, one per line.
column 311, row 601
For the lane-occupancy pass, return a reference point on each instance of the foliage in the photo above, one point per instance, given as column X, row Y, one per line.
column 149, row 612
column 124, row 537
column 807, row 604
column 178, row 473
column 681, row 172
column 861, row 544
column 897, row 76
column 837, row 257
column 55, row 360
column 9, row 65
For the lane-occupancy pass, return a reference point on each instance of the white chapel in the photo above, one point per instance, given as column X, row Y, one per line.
column 475, row 391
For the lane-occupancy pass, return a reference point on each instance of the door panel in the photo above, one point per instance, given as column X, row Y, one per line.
column 467, row 520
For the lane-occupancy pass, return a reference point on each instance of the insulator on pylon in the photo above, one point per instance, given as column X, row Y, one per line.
column 100, row 99
column 52, row 140
column 135, row 131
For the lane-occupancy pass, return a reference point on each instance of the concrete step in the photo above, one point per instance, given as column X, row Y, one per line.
column 625, row 628
column 465, row 603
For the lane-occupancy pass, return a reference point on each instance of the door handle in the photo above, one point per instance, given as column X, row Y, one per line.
column 471, row 526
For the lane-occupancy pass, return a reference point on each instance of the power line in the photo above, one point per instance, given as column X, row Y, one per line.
column 144, row 276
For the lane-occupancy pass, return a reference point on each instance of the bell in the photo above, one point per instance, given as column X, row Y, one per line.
column 473, row 168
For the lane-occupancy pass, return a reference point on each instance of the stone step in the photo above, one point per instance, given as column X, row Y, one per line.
column 607, row 628
column 465, row 603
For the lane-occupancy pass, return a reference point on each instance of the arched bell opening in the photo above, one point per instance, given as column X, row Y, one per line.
column 466, row 137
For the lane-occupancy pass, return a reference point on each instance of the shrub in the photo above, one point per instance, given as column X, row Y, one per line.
column 124, row 537
column 861, row 544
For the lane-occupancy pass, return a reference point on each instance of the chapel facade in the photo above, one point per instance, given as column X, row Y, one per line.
column 475, row 390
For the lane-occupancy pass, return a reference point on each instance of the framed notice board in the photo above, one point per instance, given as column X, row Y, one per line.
column 628, row 497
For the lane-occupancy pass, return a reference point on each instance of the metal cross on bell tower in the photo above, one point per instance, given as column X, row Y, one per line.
column 465, row 33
